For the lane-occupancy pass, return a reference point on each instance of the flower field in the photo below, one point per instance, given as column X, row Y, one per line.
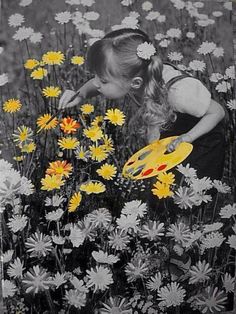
column 77, row 236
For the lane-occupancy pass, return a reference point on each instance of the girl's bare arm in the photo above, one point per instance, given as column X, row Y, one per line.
column 88, row 90
column 211, row 118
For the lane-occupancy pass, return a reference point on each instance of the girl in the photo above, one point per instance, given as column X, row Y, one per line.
column 167, row 101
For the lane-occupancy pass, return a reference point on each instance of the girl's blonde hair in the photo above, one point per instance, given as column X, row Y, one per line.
column 116, row 55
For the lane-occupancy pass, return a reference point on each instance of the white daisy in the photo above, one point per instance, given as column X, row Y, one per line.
column 6, row 257
column 183, row 197
column 118, row 240
column 175, row 56
column 159, row 36
column 78, row 284
column 212, row 240
column 23, row 33
column 179, row 4
column 231, row 104
column 152, row 230
column 200, row 185
column 36, row 37
column 128, row 223
column 228, row 5
column 199, row 272
column 54, row 215
column 59, row 240
column 206, row 47
column 134, row 207
column 211, row 300
column 38, row 244
column 197, row 65
column 37, row 279
column 221, row 187
column 103, row 257
column 212, row 227
column 146, row 50
column 154, row 282
column 232, row 241
column 25, row 3
column 55, row 201
column 174, row 33
column 228, row 282
column 223, row 87
column 58, row 280
column 190, row 35
column 218, row 52
column 87, row 3
column 100, row 218
column 17, row 223
column 91, row 16
column 215, row 77
column 147, row 6
column 16, row 20
column 171, row 295
column 63, row 17
column 164, row 43
column 75, row 298
column 136, row 269
column 15, row 269
column 152, row 15
column 230, row 72
column 3, row 79
column 8, row 288
column 126, row 3
column 188, row 172
column 228, row 211
column 179, row 232
column 161, row 19
column 99, row 277
column 217, row 13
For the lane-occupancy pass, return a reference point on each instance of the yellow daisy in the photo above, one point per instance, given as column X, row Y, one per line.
column 42, row 122
column 59, row 167
column 68, row 143
column 31, row 64
column 19, row 158
column 39, row 73
column 97, row 121
column 107, row 171
column 28, row 148
column 77, row 60
column 108, row 144
column 93, row 133
column 12, row 105
column 22, row 134
column 52, row 182
column 53, row 57
column 98, row 152
column 87, row 108
column 161, row 190
column 167, row 178
column 74, row 202
column 115, row 116
column 93, row 187
column 51, row 91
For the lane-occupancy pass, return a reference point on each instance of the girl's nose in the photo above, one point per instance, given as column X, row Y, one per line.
column 96, row 82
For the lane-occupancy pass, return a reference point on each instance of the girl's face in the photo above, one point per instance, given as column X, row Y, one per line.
column 112, row 88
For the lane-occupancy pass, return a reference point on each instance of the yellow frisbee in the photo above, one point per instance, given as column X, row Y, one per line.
column 154, row 159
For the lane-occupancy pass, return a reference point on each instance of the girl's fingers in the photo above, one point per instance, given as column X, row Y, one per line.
column 65, row 98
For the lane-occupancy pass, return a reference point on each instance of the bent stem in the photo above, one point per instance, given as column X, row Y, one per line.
column 50, row 302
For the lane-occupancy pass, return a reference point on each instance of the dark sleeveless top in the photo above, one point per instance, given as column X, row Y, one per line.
column 208, row 152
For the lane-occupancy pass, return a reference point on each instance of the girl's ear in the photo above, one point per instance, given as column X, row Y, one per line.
column 136, row 82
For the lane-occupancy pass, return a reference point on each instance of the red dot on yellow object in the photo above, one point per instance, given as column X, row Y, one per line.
column 161, row 167
column 147, row 172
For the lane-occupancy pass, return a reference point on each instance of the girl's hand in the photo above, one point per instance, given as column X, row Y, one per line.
column 64, row 101
column 180, row 139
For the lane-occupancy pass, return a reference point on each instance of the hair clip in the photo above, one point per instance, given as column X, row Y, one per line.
column 146, row 50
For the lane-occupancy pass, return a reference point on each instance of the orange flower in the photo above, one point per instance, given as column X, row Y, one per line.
column 58, row 167
column 69, row 125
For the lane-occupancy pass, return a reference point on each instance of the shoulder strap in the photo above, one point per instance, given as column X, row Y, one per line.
column 176, row 78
